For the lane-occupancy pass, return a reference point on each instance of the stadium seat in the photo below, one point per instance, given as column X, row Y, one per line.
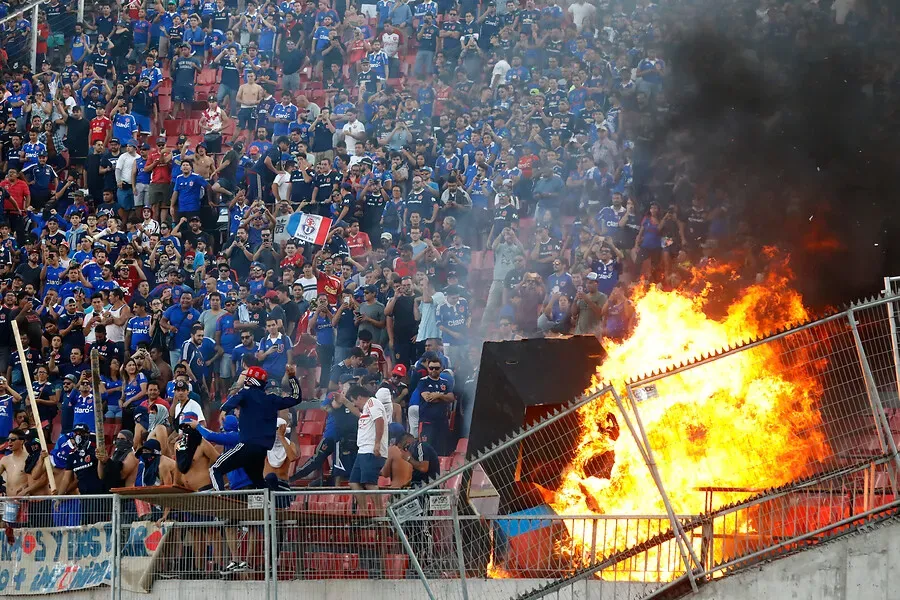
column 446, row 463
column 172, row 126
column 395, row 566
column 287, row 565
column 312, row 428
column 207, row 77
column 330, row 504
column 165, row 103
column 315, row 414
column 329, row 565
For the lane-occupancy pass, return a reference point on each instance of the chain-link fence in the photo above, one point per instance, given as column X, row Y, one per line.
column 702, row 469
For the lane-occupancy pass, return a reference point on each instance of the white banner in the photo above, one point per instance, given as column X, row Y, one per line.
column 61, row 559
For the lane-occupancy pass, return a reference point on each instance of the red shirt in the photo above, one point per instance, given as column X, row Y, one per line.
column 331, row 286
column 100, row 126
column 526, row 163
column 161, row 173
column 19, row 196
column 129, row 285
column 359, row 244
column 404, row 269
column 294, row 261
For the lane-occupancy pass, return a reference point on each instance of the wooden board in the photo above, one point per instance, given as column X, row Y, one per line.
column 98, row 405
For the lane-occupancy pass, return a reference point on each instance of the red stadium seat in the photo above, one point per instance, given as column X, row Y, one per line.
column 328, row 565
column 172, row 127
column 315, row 414
column 330, row 504
column 312, row 428
column 165, row 103
column 207, row 77
column 395, row 566
column 287, row 565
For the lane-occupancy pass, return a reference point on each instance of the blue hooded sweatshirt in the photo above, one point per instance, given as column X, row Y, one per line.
column 228, row 439
column 259, row 412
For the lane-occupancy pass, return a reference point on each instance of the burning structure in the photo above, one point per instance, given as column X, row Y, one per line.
column 705, row 460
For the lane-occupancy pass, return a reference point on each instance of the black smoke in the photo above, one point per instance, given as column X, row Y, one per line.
column 796, row 126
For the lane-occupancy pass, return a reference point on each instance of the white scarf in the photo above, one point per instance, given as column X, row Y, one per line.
column 278, row 454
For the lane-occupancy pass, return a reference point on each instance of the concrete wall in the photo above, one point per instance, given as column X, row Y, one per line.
column 860, row 567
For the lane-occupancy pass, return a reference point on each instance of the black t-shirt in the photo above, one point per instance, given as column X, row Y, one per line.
column 300, row 189
column 326, row 182
column 405, row 324
column 77, row 131
column 258, row 318
column 264, row 172
column 429, row 37
column 291, row 312
column 422, row 451
column 83, row 463
column 29, row 274
column 230, row 172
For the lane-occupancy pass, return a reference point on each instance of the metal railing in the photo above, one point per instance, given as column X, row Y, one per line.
column 500, row 517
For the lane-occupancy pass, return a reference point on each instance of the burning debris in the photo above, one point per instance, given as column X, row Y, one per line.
column 697, row 419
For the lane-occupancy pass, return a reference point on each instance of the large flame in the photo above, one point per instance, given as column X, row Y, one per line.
column 748, row 420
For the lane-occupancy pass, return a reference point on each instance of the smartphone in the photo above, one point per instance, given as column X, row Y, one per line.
column 346, row 299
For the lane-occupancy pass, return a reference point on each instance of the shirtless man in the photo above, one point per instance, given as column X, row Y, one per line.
column 397, row 467
column 155, row 468
column 249, row 96
column 12, row 467
column 193, row 457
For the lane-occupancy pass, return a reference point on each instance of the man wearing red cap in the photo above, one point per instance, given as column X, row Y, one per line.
column 257, row 423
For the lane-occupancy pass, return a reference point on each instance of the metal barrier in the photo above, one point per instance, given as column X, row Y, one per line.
column 822, row 461
column 338, row 534
column 221, row 535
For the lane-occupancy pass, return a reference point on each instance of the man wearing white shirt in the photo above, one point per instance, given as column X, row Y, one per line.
column 390, row 45
column 499, row 73
column 581, row 10
column 125, row 173
column 371, row 439
column 353, row 131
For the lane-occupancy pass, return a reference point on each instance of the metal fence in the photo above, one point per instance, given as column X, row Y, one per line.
column 775, row 444
column 741, row 456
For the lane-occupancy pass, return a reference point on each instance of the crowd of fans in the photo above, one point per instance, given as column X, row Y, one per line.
column 489, row 170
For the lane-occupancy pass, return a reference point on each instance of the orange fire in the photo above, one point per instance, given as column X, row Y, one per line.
column 733, row 422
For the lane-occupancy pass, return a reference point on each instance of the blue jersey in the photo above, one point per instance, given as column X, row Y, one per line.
column 140, row 331
column 113, row 391
column 454, row 318
column 229, row 337
column 224, row 287
column 83, row 411
column 124, row 127
column 32, row 151
column 54, row 278
column 182, row 320
column 198, row 356
column 237, row 355
column 7, row 411
column 280, row 111
column 432, row 412
column 607, row 275
column 276, row 362
column 190, row 190
column 142, row 175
